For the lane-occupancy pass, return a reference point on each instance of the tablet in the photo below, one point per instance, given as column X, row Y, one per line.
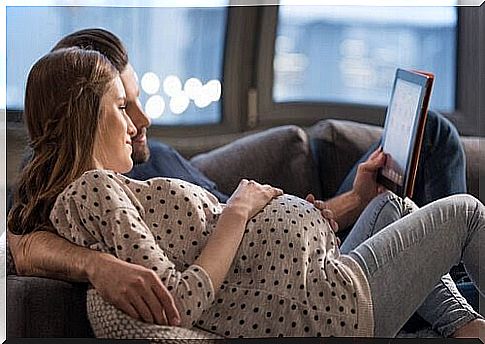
column 403, row 130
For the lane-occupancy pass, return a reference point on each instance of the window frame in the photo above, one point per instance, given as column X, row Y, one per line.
column 238, row 49
column 247, row 82
column 469, row 81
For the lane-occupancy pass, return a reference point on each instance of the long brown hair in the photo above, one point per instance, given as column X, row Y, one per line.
column 62, row 112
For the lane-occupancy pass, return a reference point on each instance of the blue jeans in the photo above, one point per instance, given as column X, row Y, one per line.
column 406, row 258
column 441, row 152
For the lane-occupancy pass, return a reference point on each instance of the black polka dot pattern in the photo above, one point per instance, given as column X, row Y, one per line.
column 287, row 277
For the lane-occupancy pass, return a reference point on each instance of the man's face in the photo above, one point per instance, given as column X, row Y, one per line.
column 134, row 110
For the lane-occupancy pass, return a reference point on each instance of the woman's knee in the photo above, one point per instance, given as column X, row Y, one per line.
column 470, row 203
column 459, row 204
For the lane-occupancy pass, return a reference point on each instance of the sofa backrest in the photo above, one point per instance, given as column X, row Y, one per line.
column 342, row 143
column 279, row 156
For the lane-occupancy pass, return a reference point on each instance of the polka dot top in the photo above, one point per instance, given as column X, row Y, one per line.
column 288, row 277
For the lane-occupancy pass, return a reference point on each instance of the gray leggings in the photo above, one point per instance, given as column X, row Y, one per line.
column 407, row 262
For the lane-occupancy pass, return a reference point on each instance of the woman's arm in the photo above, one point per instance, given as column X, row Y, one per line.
column 218, row 254
column 122, row 231
column 46, row 254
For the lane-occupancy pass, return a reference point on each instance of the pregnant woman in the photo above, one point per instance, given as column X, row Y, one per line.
column 263, row 264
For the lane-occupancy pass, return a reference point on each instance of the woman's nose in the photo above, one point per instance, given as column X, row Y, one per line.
column 131, row 129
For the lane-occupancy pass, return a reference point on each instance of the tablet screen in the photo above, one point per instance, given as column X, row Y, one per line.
column 402, row 118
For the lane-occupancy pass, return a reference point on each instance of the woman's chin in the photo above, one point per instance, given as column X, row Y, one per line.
column 127, row 168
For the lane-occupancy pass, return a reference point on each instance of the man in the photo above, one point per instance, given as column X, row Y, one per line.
column 135, row 289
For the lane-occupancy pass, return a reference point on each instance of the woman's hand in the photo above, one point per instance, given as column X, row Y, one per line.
column 218, row 254
column 251, row 197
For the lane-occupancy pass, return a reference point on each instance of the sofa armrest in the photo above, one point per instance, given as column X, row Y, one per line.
column 42, row 307
column 279, row 156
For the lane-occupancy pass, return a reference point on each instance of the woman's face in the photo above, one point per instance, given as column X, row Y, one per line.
column 113, row 147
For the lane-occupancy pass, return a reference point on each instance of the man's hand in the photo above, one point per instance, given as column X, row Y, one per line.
column 365, row 184
column 324, row 210
column 134, row 289
column 347, row 207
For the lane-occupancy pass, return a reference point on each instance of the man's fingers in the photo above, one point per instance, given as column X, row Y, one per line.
column 165, row 320
column 374, row 153
column 168, row 303
column 131, row 311
column 142, row 309
column 334, row 225
column 154, row 306
column 310, row 198
column 320, row 205
column 328, row 214
column 374, row 164
column 339, row 242
column 381, row 189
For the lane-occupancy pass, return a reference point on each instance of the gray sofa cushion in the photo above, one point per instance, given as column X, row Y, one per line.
column 475, row 161
column 337, row 145
column 42, row 307
column 279, row 156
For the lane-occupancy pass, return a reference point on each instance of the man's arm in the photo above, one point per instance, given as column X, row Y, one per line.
column 132, row 288
column 347, row 207
column 38, row 254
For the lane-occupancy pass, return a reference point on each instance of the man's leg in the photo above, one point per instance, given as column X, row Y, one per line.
column 441, row 151
column 445, row 309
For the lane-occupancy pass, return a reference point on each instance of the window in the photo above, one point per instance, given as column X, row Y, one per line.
column 350, row 55
column 206, row 71
column 177, row 53
column 318, row 62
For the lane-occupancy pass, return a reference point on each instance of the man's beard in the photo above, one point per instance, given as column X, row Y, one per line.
column 141, row 152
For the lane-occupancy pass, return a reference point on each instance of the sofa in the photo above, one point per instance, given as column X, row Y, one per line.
column 288, row 157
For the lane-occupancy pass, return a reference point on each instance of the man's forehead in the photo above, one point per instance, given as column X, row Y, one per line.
column 129, row 79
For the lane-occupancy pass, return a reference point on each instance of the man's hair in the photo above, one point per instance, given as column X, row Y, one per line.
column 100, row 40
column 63, row 115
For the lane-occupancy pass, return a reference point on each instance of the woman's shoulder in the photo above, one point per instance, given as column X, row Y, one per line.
column 92, row 181
column 99, row 174
column 97, row 189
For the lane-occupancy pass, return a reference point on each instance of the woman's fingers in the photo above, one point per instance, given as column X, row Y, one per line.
column 277, row 192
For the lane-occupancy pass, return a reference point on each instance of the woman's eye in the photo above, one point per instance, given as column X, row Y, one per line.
column 122, row 108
